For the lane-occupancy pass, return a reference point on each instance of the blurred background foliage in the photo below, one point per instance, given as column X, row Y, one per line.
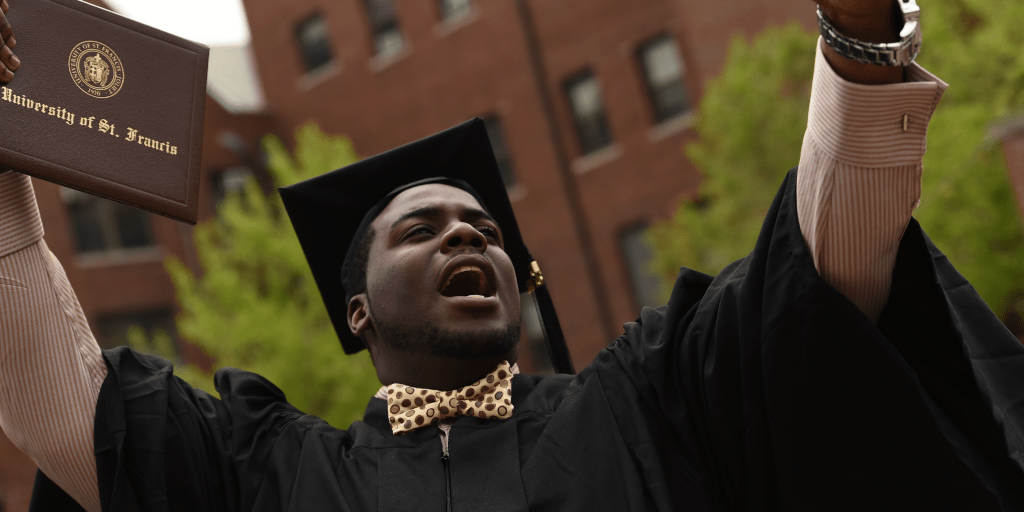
column 752, row 118
column 256, row 306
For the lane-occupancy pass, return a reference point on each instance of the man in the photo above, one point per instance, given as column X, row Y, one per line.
column 799, row 378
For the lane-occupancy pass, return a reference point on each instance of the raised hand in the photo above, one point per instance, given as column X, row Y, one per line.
column 8, row 62
column 873, row 21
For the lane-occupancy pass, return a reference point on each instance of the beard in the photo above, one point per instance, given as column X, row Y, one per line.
column 433, row 340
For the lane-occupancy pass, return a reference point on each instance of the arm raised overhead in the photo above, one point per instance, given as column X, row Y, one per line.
column 860, row 164
column 50, row 366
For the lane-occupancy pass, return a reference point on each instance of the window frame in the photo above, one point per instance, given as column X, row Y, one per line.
column 307, row 62
column 445, row 16
column 654, row 95
column 379, row 27
column 109, row 217
column 604, row 137
column 502, row 151
column 645, row 286
column 227, row 181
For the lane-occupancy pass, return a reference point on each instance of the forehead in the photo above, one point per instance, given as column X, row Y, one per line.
column 430, row 195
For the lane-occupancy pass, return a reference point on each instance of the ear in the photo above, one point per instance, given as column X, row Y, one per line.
column 359, row 314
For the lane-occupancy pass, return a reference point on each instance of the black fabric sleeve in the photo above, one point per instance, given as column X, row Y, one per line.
column 162, row 445
column 781, row 394
column 49, row 497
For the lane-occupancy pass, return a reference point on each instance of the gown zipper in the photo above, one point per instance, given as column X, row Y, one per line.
column 446, row 429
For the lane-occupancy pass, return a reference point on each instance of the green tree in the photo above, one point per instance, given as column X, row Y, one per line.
column 751, row 123
column 256, row 306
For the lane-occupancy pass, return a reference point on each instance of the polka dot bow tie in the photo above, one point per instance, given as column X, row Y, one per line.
column 410, row 408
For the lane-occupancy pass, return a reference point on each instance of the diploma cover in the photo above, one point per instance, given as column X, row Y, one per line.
column 105, row 105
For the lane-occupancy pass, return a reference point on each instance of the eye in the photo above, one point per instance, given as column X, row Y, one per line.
column 489, row 232
column 419, row 230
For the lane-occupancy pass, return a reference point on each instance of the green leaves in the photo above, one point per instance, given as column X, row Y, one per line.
column 967, row 205
column 752, row 119
column 256, row 306
column 751, row 122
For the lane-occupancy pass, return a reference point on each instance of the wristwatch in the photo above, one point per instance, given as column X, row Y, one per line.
column 901, row 53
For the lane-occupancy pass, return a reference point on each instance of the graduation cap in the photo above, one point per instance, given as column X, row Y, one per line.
column 331, row 212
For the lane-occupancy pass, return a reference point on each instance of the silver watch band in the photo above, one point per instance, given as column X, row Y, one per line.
column 900, row 53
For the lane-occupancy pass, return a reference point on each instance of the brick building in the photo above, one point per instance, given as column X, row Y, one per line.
column 588, row 103
column 589, row 100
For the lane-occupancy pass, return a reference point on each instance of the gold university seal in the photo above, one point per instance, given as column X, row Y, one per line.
column 96, row 69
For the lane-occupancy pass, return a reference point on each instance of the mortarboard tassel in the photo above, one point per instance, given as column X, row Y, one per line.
column 560, row 358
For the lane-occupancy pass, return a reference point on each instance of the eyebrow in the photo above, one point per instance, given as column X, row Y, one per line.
column 470, row 214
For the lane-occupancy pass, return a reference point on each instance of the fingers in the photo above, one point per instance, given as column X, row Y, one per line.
column 8, row 58
column 5, row 28
column 6, row 74
column 6, row 31
column 8, row 62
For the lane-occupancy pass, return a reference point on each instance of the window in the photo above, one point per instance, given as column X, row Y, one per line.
column 387, row 38
column 663, row 72
column 113, row 329
column 229, row 181
column 102, row 225
column 313, row 42
column 501, row 152
column 584, row 94
column 647, row 286
column 454, row 9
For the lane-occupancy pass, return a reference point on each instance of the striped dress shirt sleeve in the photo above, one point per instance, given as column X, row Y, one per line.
column 50, row 366
column 858, row 183
column 860, row 176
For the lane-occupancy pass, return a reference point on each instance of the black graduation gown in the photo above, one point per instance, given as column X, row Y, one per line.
column 761, row 389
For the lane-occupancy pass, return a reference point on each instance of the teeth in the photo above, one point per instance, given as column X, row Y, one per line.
column 476, row 272
column 475, row 296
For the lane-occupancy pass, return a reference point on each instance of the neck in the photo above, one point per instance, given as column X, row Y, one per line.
column 433, row 372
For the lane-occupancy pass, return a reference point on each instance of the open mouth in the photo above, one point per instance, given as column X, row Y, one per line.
column 467, row 281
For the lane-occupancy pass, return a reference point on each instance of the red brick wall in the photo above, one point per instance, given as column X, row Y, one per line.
column 482, row 67
column 447, row 74
column 706, row 28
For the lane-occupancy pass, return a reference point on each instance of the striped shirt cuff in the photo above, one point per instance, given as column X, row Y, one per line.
column 860, row 177
column 863, row 125
column 20, row 224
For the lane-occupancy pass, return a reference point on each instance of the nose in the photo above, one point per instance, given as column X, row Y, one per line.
column 461, row 235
